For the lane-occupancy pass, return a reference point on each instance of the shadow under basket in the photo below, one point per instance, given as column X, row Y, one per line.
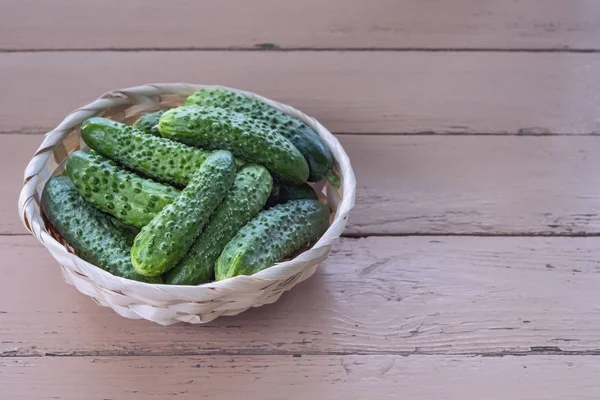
column 168, row 304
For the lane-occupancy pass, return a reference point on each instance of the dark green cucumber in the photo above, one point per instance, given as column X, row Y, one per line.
column 271, row 236
column 129, row 231
column 148, row 122
column 155, row 157
column 250, row 190
column 130, row 198
column 92, row 234
column 166, row 239
column 286, row 191
column 309, row 143
column 250, row 139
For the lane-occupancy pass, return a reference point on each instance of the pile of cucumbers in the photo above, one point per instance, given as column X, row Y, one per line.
column 206, row 191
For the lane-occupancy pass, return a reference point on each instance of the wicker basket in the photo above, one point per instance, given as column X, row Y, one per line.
column 167, row 304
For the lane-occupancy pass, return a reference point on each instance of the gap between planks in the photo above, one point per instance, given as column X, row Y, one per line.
column 534, row 351
column 523, row 133
column 259, row 48
column 364, row 235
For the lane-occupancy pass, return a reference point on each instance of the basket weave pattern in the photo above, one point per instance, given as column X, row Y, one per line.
column 168, row 304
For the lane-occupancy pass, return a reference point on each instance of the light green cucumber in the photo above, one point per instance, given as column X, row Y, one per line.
column 166, row 239
column 271, row 236
column 130, row 198
column 247, row 138
column 93, row 235
column 155, row 157
column 244, row 200
column 309, row 143
column 148, row 122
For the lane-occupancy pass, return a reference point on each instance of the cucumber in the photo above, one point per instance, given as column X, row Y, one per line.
column 251, row 140
column 130, row 198
column 286, row 191
column 148, row 122
column 250, row 190
column 309, row 143
column 92, row 234
column 155, row 157
column 271, row 236
column 129, row 231
column 166, row 239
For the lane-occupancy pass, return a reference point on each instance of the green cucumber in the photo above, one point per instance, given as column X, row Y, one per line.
column 309, row 143
column 155, row 157
column 245, row 137
column 130, row 198
column 129, row 231
column 250, row 190
column 166, row 239
column 92, row 234
column 148, row 122
column 286, row 191
column 271, row 236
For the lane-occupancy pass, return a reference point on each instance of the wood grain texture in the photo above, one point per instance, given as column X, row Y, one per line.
column 403, row 296
column 356, row 92
column 481, row 185
column 287, row 377
column 488, row 185
column 15, row 153
column 273, row 24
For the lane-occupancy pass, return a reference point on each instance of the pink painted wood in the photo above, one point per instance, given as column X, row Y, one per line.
column 470, row 264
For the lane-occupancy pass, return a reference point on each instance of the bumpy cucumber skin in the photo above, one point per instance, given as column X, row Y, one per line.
column 156, row 157
column 271, row 236
column 166, row 239
column 250, row 139
column 129, row 231
column 286, row 191
column 250, row 190
column 93, row 234
column 130, row 198
column 148, row 122
column 306, row 140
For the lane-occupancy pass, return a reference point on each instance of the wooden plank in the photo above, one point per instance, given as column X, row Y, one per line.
column 481, row 185
column 347, row 24
column 491, row 185
column 320, row 377
column 356, row 92
column 15, row 153
column 399, row 295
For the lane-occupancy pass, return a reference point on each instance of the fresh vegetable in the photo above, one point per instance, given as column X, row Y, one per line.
column 129, row 231
column 271, row 236
column 92, row 234
column 162, row 198
column 166, row 239
column 286, row 191
column 156, row 157
column 250, row 139
column 148, row 122
column 250, row 190
column 130, row 198
column 303, row 137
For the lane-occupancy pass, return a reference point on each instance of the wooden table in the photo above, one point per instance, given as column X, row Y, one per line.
column 470, row 268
